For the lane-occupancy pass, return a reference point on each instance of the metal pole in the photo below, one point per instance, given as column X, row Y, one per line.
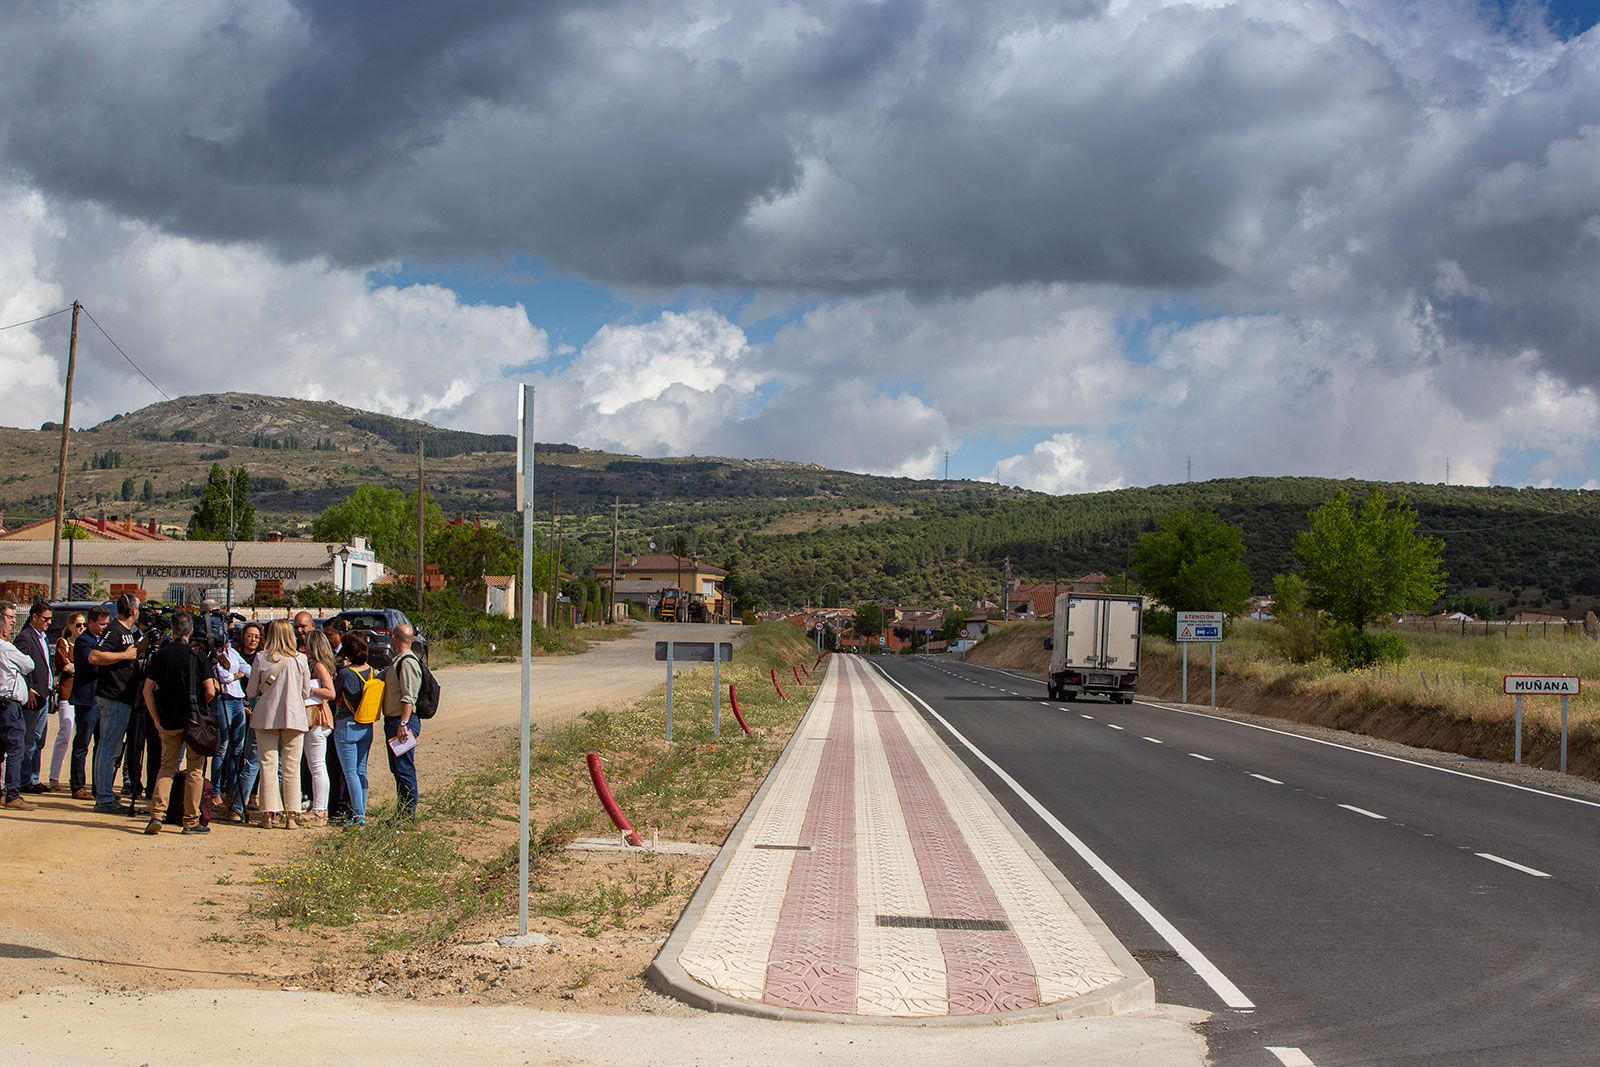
column 527, row 655
column 1184, row 698
column 71, row 539
column 611, row 606
column 420, row 448
column 669, row 690
column 716, row 690
column 61, row 465
column 1213, row 674
column 1516, row 751
column 1563, row 733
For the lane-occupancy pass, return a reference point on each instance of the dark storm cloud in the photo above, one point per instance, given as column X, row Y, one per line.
column 1321, row 159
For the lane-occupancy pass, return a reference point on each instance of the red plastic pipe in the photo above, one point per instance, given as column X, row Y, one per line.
column 733, row 699
column 797, row 680
column 609, row 802
column 777, row 686
column 819, row 658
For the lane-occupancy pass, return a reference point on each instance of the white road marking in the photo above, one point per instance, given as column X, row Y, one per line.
column 1113, row 725
column 1369, row 752
column 1362, row 811
column 1197, row 755
column 1231, row 994
column 1290, row 1056
column 1153, row 740
column 1264, row 778
column 1086, row 715
column 1492, row 858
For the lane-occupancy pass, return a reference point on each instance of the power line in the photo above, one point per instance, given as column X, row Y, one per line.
column 41, row 318
column 124, row 355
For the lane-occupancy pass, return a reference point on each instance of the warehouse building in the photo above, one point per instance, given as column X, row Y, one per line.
column 188, row 571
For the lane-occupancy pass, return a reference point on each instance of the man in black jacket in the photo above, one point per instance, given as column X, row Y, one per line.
column 178, row 687
column 41, row 694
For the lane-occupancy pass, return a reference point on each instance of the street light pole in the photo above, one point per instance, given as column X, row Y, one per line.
column 344, row 573
column 229, row 544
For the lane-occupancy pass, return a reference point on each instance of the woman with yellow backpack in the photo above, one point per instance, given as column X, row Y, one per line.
column 358, row 702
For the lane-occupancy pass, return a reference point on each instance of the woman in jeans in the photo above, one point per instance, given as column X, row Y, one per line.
column 353, row 740
column 249, row 766
column 233, row 671
column 279, row 680
column 319, row 691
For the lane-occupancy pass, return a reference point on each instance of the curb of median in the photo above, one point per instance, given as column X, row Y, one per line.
column 1134, row 992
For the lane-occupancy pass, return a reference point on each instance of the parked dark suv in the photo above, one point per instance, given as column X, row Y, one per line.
column 377, row 625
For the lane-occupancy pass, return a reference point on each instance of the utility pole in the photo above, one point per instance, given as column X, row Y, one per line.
column 1005, row 593
column 61, row 466
column 420, row 448
column 1447, row 470
column 550, row 598
column 947, row 465
column 1188, row 469
column 611, row 605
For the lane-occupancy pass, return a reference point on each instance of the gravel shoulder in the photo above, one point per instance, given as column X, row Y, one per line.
column 92, row 901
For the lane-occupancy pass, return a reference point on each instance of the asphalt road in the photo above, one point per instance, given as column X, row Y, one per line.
column 1368, row 910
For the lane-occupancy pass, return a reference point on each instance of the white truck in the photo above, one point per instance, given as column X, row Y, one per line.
column 1096, row 646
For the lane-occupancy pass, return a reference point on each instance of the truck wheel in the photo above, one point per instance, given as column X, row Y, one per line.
column 1069, row 694
column 1052, row 692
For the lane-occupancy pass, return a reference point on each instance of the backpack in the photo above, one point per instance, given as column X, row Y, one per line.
column 202, row 734
column 371, row 705
column 428, row 692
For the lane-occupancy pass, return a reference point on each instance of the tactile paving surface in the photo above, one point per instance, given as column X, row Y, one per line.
column 895, row 827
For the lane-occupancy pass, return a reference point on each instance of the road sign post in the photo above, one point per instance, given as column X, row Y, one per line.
column 525, row 462
column 697, row 652
column 1521, row 685
column 1199, row 626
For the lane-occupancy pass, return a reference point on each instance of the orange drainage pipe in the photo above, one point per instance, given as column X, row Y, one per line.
column 733, row 700
column 797, row 680
column 777, row 686
column 819, row 658
column 609, row 802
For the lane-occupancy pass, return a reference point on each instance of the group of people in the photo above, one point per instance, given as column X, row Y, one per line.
column 285, row 712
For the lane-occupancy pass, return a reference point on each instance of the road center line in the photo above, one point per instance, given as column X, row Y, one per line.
column 1290, row 1056
column 1231, row 994
column 1113, row 725
column 1362, row 811
column 1086, row 715
column 1153, row 740
column 1197, row 755
column 1492, row 858
column 1264, row 778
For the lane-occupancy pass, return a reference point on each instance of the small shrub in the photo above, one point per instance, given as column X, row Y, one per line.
column 1353, row 650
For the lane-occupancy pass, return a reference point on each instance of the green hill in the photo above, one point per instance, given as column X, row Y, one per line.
column 794, row 532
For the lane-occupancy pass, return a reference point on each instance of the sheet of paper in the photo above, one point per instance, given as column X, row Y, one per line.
column 401, row 745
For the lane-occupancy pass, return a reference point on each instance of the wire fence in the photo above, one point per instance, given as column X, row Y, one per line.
column 1557, row 630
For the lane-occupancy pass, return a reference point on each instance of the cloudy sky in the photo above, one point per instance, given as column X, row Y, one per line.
column 1073, row 244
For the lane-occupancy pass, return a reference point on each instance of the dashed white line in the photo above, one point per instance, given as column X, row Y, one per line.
column 1154, row 740
column 1086, row 715
column 1362, row 811
column 1220, row 984
column 1492, row 858
column 1264, row 778
column 1113, row 725
column 1290, row 1056
column 1197, row 755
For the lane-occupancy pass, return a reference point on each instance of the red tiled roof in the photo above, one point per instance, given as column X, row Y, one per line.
column 660, row 561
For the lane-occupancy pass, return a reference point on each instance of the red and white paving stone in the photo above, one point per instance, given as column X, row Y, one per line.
column 871, row 818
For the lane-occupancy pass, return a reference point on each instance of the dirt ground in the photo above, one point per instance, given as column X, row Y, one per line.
column 92, row 901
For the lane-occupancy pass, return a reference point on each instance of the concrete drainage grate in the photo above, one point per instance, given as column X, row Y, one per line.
column 938, row 922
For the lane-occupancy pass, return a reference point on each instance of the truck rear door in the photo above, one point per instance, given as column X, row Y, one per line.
column 1083, row 637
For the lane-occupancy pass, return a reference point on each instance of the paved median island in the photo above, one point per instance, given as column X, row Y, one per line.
column 873, row 877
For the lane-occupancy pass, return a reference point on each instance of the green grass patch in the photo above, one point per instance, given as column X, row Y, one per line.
column 409, row 883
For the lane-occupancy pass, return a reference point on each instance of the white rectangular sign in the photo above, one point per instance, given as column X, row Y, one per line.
column 1542, row 685
column 1199, row 626
column 524, row 447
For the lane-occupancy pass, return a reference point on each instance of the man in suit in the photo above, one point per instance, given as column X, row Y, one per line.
column 41, row 694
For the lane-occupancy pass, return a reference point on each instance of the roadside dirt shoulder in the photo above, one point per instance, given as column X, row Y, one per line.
column 91, row 900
